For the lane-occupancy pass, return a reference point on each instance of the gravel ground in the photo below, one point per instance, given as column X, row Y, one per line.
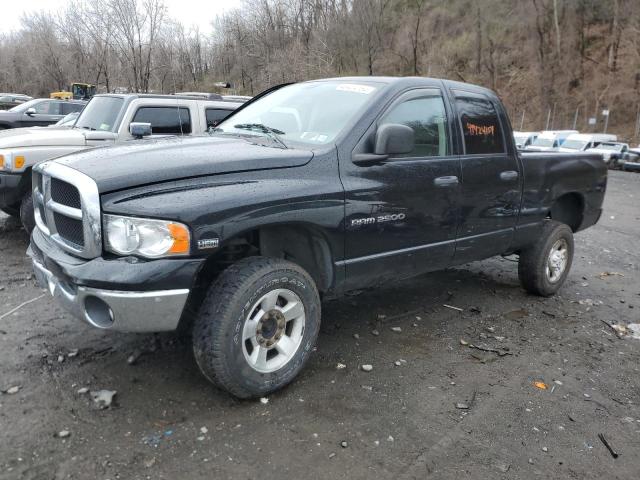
column 431, row 406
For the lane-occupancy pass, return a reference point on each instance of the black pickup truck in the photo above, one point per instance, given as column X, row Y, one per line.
column 308, row 191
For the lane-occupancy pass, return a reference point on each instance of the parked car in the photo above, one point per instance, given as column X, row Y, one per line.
column 106, row 120
column 524, row 139
column 579, row 142
column 10, row 100
column 38, row 112
column 632, row 160
column 306, row 192
column 550, row 140
column 612, row 153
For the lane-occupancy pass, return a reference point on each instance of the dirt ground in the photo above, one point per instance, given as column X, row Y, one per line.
column 446, row 410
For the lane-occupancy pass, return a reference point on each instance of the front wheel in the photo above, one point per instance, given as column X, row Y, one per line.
column 27, row 216
column 257, row 326
column 543, row 267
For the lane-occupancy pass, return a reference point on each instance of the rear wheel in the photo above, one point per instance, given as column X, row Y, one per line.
column 543, row 267
column 26, row 213
column 257, row 326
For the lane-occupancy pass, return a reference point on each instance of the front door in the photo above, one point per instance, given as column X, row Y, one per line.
column 401, row 215
column 491, row 180
column 46, row 113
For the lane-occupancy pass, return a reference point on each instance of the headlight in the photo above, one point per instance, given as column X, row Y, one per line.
column 6, row 160
column 145, row 237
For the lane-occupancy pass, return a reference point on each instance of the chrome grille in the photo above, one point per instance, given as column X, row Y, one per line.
column 67, row 208
column 69, row 228
column 65, row 194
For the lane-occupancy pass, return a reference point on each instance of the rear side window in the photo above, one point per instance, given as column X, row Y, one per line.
column 427, row 117
column 215, row 116
column 71, row 107
column 480, row 125
column 165, row 120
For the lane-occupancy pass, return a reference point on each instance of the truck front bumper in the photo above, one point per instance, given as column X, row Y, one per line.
column 89, row 291
column 10, row 192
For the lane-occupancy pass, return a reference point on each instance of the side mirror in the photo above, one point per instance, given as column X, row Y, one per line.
column 31, row 111
column 140, row 129
column 394, row 139
column 391, row 139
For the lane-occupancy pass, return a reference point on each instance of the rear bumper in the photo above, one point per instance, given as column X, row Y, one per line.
column 118, row 294
column 10, row 191
column 631, row 166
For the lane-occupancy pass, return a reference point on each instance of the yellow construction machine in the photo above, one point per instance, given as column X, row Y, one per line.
column 77, row 91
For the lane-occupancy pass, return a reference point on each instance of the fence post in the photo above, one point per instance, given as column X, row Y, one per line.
column 522, row 121
column 575, row 118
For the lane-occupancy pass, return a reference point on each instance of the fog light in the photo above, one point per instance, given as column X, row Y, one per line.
column 98, row 312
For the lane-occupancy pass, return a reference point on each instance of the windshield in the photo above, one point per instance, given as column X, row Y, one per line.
column 609, row 146
column 25, row 106
column 575, row 144
column 312, row 113
column 543, row 142
column 101, row 114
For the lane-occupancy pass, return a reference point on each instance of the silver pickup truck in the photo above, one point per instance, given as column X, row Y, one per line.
column 106, row 120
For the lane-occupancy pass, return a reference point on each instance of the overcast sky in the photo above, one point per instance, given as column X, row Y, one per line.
column 188, row 12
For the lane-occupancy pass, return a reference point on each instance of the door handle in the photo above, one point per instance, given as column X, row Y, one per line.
column 508, row 175
column 449, row 181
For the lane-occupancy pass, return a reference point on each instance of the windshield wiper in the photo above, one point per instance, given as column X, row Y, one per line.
column 272, row 133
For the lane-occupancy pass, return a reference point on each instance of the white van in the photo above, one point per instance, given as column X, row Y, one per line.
column 550, row 140
column 524, row 139
column 579, row 142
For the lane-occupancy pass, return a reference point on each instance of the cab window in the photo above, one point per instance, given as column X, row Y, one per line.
column 47, row 108
column 426, row 115
column 215, row 116
column 480, row 126
column 165, row 120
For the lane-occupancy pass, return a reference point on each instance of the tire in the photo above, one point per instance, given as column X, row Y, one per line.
column 26, row 213
column 539, row 274
column 232, row 338
column 11, row 211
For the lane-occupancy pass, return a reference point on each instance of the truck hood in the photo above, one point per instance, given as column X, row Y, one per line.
column 140, row 163
column 40, row 137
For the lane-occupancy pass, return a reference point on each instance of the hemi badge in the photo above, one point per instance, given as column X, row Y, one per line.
column 208, row 243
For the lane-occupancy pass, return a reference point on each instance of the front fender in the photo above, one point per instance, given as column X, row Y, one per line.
column 222, row 207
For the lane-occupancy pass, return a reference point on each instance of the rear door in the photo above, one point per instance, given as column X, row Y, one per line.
column 401, row 215
column 491, row 179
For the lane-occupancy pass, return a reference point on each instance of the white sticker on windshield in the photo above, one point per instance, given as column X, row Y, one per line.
column 352, row 87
